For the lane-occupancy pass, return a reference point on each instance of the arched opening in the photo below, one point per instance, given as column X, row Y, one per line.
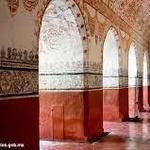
column 60, row 70
column 110, row 77
column 132, row 83
column 145, row 82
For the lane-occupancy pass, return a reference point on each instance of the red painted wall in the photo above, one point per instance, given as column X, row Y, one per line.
column 19, row 121
column 149, row 95
column 137, row 96
column 81, row 117
column 115, row 104
column 145, row 97
column 93, row 113
column 111, row 104
column 73, row 111
column 132, row 100
column 140, row 99
column 123, row 103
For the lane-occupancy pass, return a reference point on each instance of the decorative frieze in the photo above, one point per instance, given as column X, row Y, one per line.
column 17, row 82
column 19, row 72
column 76, row 81
column 30, row 4
column 72, row 67
column 110, row 81
column 18, row 58
column 14, row 5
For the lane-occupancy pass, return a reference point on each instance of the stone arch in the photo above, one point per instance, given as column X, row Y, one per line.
column 63, row 6
column 111, row 75
column 116, row 33
column 63, row 77
column 132, row 81
column 134, row 44
column 145, row 80
column 78, row 14
column 115, row 39
column 133, row 52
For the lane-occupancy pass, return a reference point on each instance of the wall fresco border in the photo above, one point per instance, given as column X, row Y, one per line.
column 18, row 58
column 18, row 82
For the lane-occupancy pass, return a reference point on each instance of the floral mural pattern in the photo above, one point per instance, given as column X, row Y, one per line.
column 30, row 4
column 18, row 82
column 13, row 6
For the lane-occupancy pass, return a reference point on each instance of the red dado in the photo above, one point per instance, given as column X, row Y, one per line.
column 75, row 115
column 19, row 121
column 133, row 93
column 145, row 97
column 123, row 103
column 140, row 98
column 111, row 104
column 115, row 104
column 93, row 113
column 149, row 95
column 137, row 99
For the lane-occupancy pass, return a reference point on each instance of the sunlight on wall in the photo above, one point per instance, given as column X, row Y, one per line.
column 60, row 47
column 145, row 75
column 110, row 61
column 132, row 82
column 132, row 66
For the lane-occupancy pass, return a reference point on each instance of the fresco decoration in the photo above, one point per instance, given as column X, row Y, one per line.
column 96, row 23
column 72, row 76
column 70, row 82
column 123, row 16
column 30, row 4
column 123, row 81
column 61, row 82
column 77, row 12
column 74, row 67
column 18, row 58
column 16, row 82
column 132, row 11
column 19, row 72
column 13, row 6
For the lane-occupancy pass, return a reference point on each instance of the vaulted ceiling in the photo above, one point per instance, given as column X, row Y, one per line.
column 135, row 12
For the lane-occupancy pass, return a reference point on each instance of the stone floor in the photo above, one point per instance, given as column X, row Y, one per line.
column 123, row 136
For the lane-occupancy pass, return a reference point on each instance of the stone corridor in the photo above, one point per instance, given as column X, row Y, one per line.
column 71, row 70
column 122, row 136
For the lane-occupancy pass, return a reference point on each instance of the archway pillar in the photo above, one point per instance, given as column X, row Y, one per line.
column 93, row 99
column 110, row 48
column 148, row 70
column 70, row 107
column 123, row 97
column 111, row 100
column 76, row 113
column 139, row 80
column 73, row 115
column 93, row 114
column 140, row 92
column 149, row 90
column 123, row 81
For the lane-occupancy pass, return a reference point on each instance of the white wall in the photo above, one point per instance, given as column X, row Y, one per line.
column 132, row 66
column 60, row 49
column 145, row 70
column 110, row 61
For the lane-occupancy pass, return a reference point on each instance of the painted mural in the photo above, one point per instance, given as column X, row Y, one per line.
column 30, row 4
column 18, row 82
column 13, row 6
column 60, row 47
column 92, row 19
column 111, row 60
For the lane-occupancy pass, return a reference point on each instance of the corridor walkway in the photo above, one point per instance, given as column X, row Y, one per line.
column 122, row 136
